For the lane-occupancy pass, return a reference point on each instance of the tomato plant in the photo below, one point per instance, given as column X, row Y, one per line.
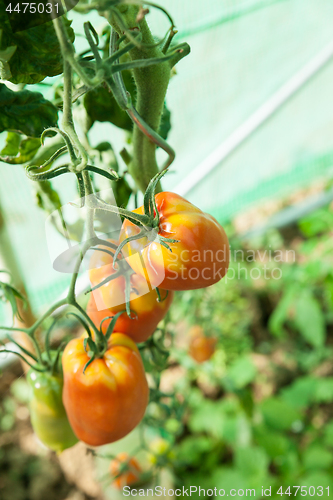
column 101, row 394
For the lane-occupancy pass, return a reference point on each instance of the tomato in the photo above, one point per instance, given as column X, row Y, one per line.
column 160, row 452
column 47, row 412
column 125, row 469
column 200, row 257
column 109, row 399
column 201, row 347
column 109, row 299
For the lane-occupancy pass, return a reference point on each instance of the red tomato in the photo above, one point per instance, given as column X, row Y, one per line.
column 127, row 477
column 109, row 299
column 200, row 257
column 108, row 401
column 201, row 347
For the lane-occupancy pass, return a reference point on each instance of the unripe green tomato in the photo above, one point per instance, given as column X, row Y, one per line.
column 173, row 426
column 160, row 452
column 47, row 412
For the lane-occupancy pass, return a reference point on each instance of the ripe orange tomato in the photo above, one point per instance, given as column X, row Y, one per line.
column 125, row 469
column 201, row 347
column 109, row 299
column 200, row 257
column 108, row 401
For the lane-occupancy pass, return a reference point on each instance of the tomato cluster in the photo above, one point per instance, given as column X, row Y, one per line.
column 101, row 394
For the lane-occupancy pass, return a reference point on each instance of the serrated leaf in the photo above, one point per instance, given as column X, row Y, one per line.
column 25, row 112
column 26, row 151
column 309, row 319
column 37, row 55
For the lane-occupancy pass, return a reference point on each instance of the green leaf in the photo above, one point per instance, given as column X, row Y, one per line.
column 37, row 53
column 324, row 390
column 228, row 478
column 317, row 479
column 5, row 56
column 300, row 393
column 252, row 462
column 289, row 463
column 240, row 373
column 12, row 146
column 208, row 418
column 25, row 112
column 318, row 222
column 101, row 105
column 27, row 149
column 279, row 414
column 317, row 457
column 309, row 319
column 9, row 293
column 328, row 434
column 274, row 443
column 328, row 283
column 282, row 312
column 191, row 449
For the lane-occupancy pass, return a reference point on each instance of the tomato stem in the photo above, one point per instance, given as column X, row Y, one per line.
column 152, row 83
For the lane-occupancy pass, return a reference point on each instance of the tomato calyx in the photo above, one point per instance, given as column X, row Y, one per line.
column 149, row 222
column 96, row 348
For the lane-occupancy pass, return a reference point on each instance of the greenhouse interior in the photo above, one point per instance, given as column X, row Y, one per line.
column 166, row 250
